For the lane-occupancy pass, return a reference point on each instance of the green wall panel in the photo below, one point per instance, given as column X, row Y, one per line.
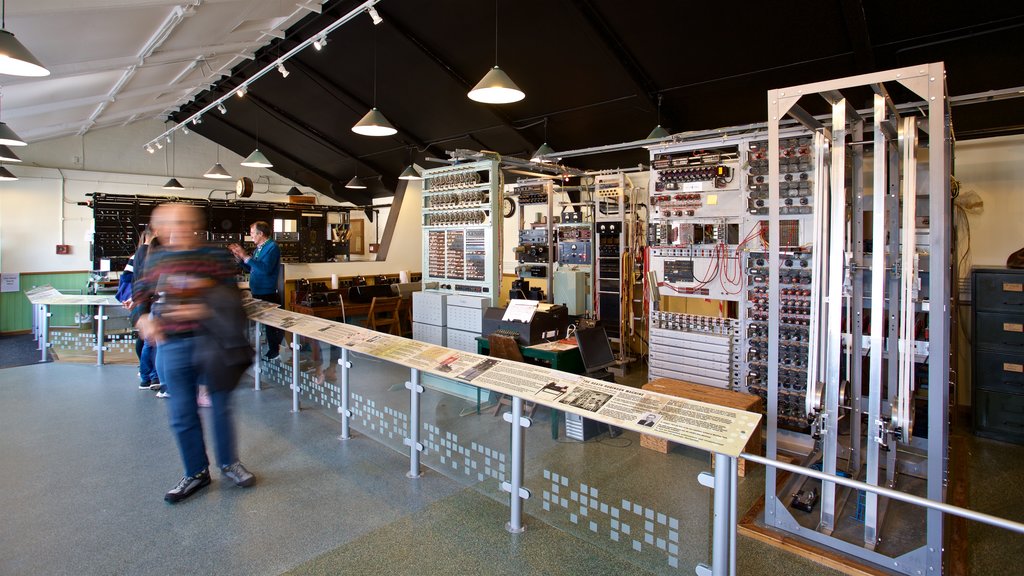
column 16, row 312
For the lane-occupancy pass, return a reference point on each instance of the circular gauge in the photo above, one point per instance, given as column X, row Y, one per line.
column 508, row 207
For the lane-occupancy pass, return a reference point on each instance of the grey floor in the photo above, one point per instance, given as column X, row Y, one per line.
column 85, row 458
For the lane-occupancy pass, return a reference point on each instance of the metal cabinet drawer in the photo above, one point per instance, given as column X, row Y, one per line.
column 999, row 372
column 999, row 416
column 999, row 291
column 999, row 330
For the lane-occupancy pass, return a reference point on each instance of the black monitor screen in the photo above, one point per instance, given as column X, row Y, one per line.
column 594, row 348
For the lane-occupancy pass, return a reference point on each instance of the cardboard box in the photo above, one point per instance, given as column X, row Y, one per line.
column 710, row 395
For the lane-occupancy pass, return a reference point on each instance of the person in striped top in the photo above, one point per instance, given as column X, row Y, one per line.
column 172, row 301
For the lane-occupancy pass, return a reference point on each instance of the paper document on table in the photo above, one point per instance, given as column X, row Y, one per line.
column 520, row 310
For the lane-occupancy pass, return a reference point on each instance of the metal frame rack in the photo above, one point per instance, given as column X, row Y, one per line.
column 535, row 254
column 900, row 276
column 697, row 212
column 461, row 223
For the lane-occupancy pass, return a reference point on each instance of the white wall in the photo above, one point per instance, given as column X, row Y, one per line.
column 993, row 168
column 57, row 174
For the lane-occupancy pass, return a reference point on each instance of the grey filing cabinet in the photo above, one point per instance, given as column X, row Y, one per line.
column 998, row 354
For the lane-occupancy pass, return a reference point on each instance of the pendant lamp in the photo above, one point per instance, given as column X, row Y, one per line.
column 173, row 184
column 356, row 183
column 8, row 137
column 257, row 159
column 658, row 131
column 217, row 171
column 373, row 123
column 15, row 59
column 496, row 87
column 541, row 156
column 8, row 155
column 410, row 172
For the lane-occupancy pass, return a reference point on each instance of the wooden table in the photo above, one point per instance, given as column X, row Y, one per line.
column 710, row 395
column 346, row 311
column 564, row 360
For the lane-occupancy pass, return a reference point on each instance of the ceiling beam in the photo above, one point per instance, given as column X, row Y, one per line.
column 860, row 37
column 641, row 80
column 357, row 198
column 433, row 56
column 11, row 112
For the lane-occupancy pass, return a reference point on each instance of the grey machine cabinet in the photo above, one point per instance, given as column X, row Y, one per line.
column 998, row 354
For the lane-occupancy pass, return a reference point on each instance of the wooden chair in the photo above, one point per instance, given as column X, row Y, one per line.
column 383, row 313
column 507, row 348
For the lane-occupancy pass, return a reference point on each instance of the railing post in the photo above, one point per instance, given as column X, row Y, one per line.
column 295, row 371
column 100, row 318
column 44, row 331
column 257, row 365
column 344, row 410
column 721, row 530
column 515, row 488
column 413, row 441
column 733, row 501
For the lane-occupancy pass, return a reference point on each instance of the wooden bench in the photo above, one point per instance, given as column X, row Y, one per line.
column 710, row 395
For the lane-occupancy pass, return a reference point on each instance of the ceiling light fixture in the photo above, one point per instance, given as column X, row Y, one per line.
column 217, row 171
column 373, row 123
column 8, row 137
column 159, row 145
column 410, row 173
column 256, row 160
column 184, row 130
column 278, row 64
column 150, row 149
column 658, row 132
column 293, row 191
column 356, row 183
column 540, row 156
column 173, row 184
column 222, row 108
column 320, row 42
column 496, row 87
column 8, row 155
column 15, row 59
column 374, row 15
column 6, row 175
column 197, row 120
column 542, row 153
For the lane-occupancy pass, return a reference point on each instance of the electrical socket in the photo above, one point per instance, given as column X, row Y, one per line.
column 63, row 249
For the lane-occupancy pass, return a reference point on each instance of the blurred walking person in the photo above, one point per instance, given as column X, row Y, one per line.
column 187, row 293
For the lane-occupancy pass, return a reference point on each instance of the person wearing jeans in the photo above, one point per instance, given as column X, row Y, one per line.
column 173, row 298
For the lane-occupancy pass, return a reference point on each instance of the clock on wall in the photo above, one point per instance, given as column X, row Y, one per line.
column 243, row 187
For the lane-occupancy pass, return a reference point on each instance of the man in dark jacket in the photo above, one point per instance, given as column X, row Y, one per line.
column 263, row 266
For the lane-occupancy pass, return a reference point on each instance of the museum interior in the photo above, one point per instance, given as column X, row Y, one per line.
column 562, row 287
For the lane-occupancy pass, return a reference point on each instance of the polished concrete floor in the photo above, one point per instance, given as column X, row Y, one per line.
column 85, row 458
